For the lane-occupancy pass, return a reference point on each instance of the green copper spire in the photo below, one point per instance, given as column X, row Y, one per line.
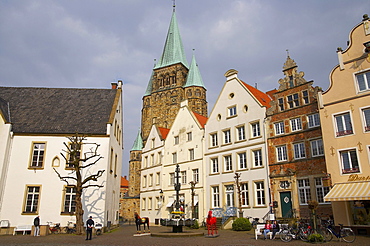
column 149, row 88
column 138, row 144
column 194, row 78
column 173, row 51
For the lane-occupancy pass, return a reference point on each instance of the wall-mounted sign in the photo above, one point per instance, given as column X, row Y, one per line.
column 356, row 177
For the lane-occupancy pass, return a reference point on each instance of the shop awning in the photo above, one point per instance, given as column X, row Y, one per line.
column 349, row 192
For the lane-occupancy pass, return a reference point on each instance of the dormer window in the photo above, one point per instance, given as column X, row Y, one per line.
column 232, row 111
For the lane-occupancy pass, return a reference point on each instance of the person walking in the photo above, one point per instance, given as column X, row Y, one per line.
column 36, row 223
column 89, row 227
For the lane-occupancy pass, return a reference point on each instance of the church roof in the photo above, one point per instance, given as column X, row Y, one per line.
column 149, row 88
column 173, row 51
column 194, row 78
column 59, row 110
column 138, row 144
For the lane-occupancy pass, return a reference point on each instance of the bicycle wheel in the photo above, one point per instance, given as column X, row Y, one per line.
column 285, row 236
column 98, row 232
column 328, row 236
column 348, row 235
column 303, row 235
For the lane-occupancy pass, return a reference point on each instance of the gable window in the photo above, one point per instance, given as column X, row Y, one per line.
column 317, row 147
column 257, row 155
column 38, row 153
column 279, row 128
column 176, row 140
column 214, row 165
column 296, row 124
column 260, row 193
column 256, row 131
column 305, row 97
column 153, row 143
column 293, row 100
column 321, row 190
column 244, row 194
column 304, row 191
column 216, row 196
column 313, row 120
column 214, row 140
column 363, row 81
column 281, row 153
column 228, row 163
column 281, row 104
column 232, row 111
column 366, row 115
column 69, row 199
column 344, row 124
column 191, row 154
column 241, row 133
column 189, row 136
column 174, row 157
column 227, row 136
column 349, row 161
column 242, row 157
column 32, row 199
column 299, row 151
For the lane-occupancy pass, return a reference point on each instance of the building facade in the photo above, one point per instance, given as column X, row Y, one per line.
column 235, row 143
column 345, row 116
column 35, row 124
column 295, row 146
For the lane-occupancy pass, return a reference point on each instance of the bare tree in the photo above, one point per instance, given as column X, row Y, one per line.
column 78, row 162
column 238, row 188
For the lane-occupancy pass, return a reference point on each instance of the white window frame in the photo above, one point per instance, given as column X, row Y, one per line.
column 196, row 175
column 257, row 158
column 214, row 165
column 214, row 139
column 317, row 147
column 240, row 130
column 281, row 153
column 183, row 177
column 299, row 150
column 38, row 155
column 228, row 163
column 304, row 191
column 353, row 164
column 191, row 154
column 260, row 193
column 321, row 190
column 172, row 178
column 215, row 196
column 256, row 129
column 313, row 120
column 366, row 118
column 279, row 128
column 343, row 124
column 33, row 193
column 230, row 195
column 366, row 81
column 232, row 111
column 242, row 160
column 227, row 136
column 296, row 124
column 244, row 194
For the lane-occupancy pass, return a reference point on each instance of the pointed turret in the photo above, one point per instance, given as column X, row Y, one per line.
column 138, row 144
column 173, row 51
column 194, row 78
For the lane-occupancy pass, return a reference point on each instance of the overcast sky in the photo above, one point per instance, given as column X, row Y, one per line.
column 91, row 43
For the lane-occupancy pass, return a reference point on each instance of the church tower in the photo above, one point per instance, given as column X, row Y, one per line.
column 171, row 82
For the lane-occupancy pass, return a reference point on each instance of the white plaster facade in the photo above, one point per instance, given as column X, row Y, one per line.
column 235, row 142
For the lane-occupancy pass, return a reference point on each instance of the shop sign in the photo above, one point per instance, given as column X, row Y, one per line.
column 356, row 177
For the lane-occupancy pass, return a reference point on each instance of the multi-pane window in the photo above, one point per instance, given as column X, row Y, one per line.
column 174, row 157
column 279, row 128
column 189, row 136
column 176, row 140
column 172, row 178
column 241, row 132
column 183, row 177
column 260, row 193
column 227, row 136
column 214, row 165
column 196, row 175
column 244, row 194
column 70, row 199
column 293, row 100
column 363, row 81
column 257, row 156
column 151, row 179
column 256, row 130
column 216, row 196
column 317, row 147
column 229, row 191
column 321, row 190
column 305, row 97
column 349, row 161
column 344, row 124
column 32, row 199
column 366, row 114
column 191, row 154
column 281, row 153
column 299, row 151
column 228, row 163
column 214, row 140
column 242, row 159
column 38, row 155
column 313, row 120
column 144, row 181
column 304, row 191
column 232, row 111
column 296, row 124
column 281, row 104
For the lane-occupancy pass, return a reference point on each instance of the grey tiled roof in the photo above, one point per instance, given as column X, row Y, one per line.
column 4, row 109
column 58, row 111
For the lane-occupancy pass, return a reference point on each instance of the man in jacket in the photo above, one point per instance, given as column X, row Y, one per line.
column 89, row 227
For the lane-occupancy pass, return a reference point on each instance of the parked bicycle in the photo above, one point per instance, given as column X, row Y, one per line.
column 54, row 228
column 344, row 233
column 98, row 229
column 300, row 231
column 71, row 227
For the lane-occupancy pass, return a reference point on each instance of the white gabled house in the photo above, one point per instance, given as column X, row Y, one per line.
column 34, row 123
column 235, row 142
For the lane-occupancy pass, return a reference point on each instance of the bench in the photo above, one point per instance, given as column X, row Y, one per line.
column 260, row 227
column 23, row 228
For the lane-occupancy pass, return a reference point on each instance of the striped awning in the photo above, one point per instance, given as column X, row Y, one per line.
column 350, row 191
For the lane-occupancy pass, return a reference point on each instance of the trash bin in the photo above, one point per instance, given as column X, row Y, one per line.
column 156, row 221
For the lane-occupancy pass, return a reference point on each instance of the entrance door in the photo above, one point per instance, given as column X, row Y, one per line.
column 286, row 204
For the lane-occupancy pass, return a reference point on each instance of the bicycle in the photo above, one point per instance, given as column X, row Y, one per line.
column 98, row 229
column 70, row 228
column 54, row 228
column 344, row 233
column 302, row 231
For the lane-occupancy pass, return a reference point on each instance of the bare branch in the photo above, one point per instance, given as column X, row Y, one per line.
column 87, row 186
column 93, row 177
column 65, row 178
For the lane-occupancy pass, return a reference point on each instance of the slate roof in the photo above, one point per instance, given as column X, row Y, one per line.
column 4, row 110
column 59, row 110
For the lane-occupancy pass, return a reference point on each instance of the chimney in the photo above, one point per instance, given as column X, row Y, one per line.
column 114, row 85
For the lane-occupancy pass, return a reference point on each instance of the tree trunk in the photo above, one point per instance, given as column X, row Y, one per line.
column 79, row 212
